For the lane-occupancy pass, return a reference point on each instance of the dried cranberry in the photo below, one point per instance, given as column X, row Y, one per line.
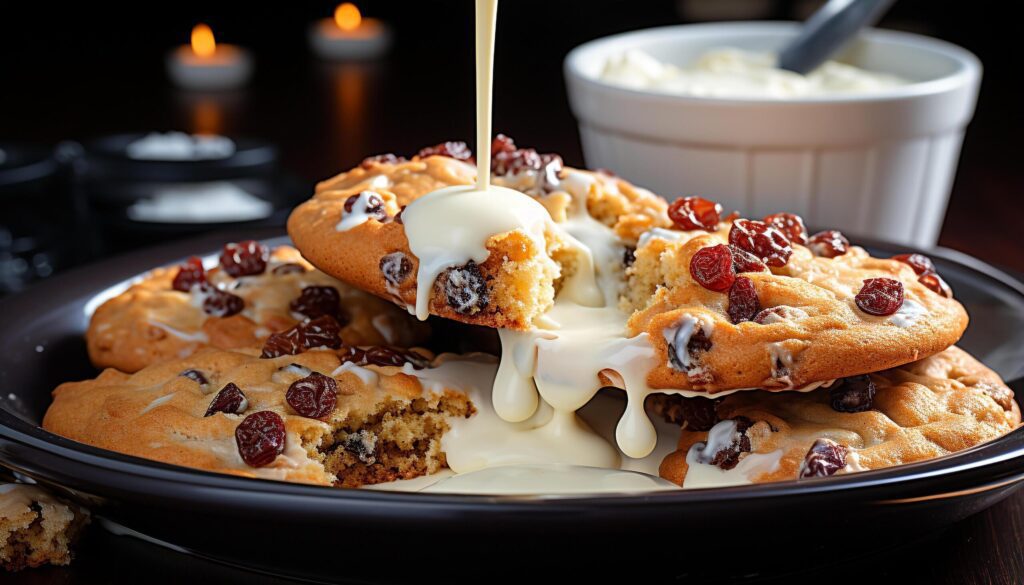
column 693, row 414
column 853, row 394
column 384, row 159
column 880, row 296
column 196, row 376
column 743, row 302
column 695, row 213
column 457, row 150
column 712, row 268
column 919, row 262
column 465, row 289
column 728, row 457
column 260, row 438
column 230, row 399
column 218, row 303
column 761, row 240
column 323, row 331
column 936, row 284
column 824, row 458
column 289, row 268
column 790, row 224
column 316, row 301
column 244, row 258
column 314, row 396
column 190, row 274
column 396, row 268
column 828, row 244
column 743, row 261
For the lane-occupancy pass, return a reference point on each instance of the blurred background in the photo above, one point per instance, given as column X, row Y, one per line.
column 71, row 75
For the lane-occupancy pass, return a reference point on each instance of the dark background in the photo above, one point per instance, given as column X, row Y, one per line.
column 81, row 70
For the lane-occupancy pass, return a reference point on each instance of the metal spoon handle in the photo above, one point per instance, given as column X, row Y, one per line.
column 828, row 29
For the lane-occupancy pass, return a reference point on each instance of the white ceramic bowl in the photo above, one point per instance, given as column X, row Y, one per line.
column 878, row 165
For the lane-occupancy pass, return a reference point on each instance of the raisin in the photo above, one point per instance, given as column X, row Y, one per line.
column 712, row 268
column 190, row 274
column 384, row 159
column 628, row 256
column 196, row 376
column 466, row 289
column 697, row 344
column 372, row 205
column 289, row 268
column 396, row 268
column 314, row 396
column 695, row 213
column 230, row 399
column 790, row 224
column 828, row 244
column 362, row 444
column 260, row 438
column 824, row 458
column 919, row 262
column 936, row 284
column 693, row 414
column 743, row 302
column 743, row 261
column 381, row 355
column 728, row 457
column 323, row 331
column 853, row 394
column 316, row 301
column 880, row 296
column 218, row 303
column 761, row 240
column 244, row 258
column 457, row 150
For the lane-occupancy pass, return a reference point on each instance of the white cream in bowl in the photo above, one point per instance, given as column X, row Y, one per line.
column 732, row 73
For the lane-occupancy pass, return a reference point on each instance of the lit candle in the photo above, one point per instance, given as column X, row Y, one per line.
column 349, row 36
column 206, row 65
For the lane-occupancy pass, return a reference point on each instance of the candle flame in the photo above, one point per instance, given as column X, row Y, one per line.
column 203, row 43
column 347, row 16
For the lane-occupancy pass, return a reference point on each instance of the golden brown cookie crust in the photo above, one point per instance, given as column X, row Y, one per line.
column 151, row 322
column 937, row 406
column 158, row 414
column 36, row 528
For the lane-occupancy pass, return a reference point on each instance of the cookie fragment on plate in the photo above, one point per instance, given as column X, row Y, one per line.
column 937, row 406
column 172, row 312
column 346, row 417
column 36, row 528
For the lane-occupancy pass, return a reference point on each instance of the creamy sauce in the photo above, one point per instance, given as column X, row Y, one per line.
column 701, row 473
column 733, row 73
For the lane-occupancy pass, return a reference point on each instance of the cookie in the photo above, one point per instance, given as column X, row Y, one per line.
column 36, row 528
column 353, row 230
column 930, row 408
column 345, row 417
column 722, row 318
column 153, row 321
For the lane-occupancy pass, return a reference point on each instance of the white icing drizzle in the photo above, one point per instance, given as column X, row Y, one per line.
column 197, row 336
column 359, row 214
column 365, row 375
column 157, row 402
column 908, row 314
column 660, row 234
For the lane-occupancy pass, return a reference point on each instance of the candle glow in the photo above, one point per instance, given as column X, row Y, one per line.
column 347, row 16
column 203, row 42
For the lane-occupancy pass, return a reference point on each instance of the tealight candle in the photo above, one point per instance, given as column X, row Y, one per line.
column 206, row 65
column 349, row 36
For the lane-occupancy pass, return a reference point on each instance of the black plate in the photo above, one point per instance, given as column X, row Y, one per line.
column 327, row 534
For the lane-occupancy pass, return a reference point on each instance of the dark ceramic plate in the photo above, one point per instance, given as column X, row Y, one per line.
column 329, row 534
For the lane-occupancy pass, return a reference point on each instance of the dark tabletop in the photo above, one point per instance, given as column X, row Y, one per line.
column 86, row 81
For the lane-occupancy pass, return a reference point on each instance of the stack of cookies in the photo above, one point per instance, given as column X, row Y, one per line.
column 779, row 354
